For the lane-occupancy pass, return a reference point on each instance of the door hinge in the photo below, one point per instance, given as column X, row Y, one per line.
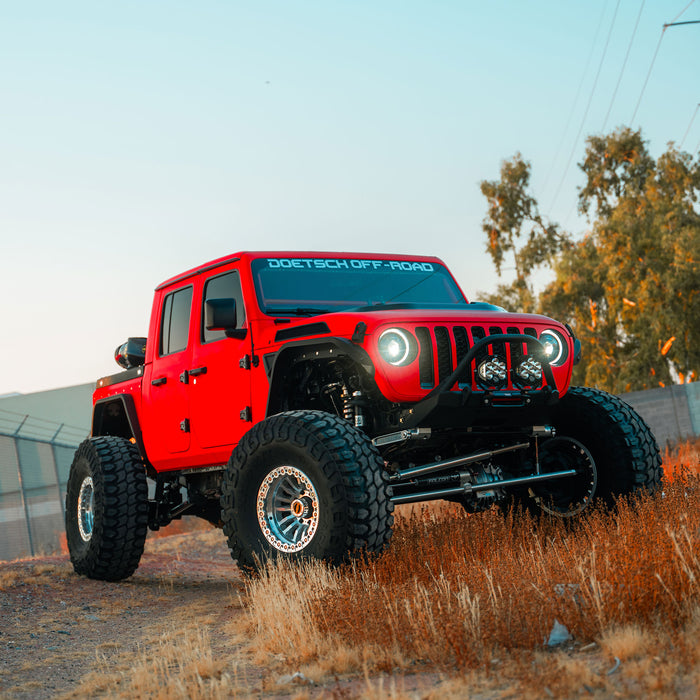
column 185, row 377
column 185, row 425
column 246, row 414
column 246, row 362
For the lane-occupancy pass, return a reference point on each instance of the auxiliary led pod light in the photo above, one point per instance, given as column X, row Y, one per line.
column 492, row 373
column 528, row 373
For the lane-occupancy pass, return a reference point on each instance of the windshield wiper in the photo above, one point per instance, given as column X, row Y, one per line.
column 297, row 311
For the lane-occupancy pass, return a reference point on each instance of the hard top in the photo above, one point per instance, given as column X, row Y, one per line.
column 252, row 255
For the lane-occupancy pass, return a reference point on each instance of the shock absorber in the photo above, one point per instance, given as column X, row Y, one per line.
column 352, row 407
column 348, row 412
column 359, row 415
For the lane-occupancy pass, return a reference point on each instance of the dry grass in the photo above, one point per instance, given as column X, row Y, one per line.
column 458, row 592
column 459, row 606
column 682, row 458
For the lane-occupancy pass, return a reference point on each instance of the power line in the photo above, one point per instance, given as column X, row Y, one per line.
column 682, row 12
column 624, row 64
column 585, row 113
column 672, row 23
column 687, row 131
column 646, row 80
column 575, row 102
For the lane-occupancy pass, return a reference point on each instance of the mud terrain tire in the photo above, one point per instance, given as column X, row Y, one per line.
column 620, row 442
column 106, row 508
column 305, row 484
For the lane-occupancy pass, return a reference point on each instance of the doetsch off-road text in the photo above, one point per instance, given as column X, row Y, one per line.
column 294, row 398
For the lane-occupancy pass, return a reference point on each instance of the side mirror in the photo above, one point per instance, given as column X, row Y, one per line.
column 131, row 354
column 220, row 314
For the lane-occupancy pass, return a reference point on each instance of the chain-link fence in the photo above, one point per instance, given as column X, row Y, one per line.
column 35, row 458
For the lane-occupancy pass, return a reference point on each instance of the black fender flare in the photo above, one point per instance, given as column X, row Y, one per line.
column 279, row 363
column 124, row 423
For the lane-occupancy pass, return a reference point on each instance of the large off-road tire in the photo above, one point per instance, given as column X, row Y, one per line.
column 106, row 508
column 595, row 427
column 305, row 484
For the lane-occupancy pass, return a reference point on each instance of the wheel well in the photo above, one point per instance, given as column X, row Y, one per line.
column 304, row 375
column 117, row 416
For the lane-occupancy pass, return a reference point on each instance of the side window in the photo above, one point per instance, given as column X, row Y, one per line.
column 227, row 286
column 175, row 322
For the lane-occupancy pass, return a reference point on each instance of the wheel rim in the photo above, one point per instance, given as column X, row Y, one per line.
column 86, row 509
column 288, row 509
column 567, row 497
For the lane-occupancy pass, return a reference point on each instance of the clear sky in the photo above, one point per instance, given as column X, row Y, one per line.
column 139, row 139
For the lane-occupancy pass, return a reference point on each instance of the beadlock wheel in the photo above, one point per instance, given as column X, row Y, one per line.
column 86, row 509
column 570, row 496
column 305, row 484
column 288, row 509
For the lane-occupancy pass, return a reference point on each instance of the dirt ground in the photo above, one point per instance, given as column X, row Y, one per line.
column 57, row 627
column 182, row 617
column 66, row 636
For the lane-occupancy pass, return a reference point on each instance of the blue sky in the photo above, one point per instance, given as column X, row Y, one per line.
column 138, row 139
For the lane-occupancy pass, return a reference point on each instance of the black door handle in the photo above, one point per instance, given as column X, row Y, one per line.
column 197, row 371
column 159, row 381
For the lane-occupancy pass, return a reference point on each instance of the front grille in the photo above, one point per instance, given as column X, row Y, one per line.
column 441, row 348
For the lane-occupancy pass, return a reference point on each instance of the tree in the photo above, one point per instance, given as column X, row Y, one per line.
column 513, row 214
column 631, row 287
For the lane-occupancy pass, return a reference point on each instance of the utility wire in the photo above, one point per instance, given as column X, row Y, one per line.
column 624, row 64
column 682, row 12
column 575, row 102
column 672, row 23
column 646, row 80
column 585, row 113
column 687, row 131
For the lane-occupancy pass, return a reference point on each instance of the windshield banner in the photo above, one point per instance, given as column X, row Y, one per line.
column 344, row 264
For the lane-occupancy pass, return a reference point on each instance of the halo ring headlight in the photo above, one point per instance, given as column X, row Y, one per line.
column 396, row 347
column 555, row 348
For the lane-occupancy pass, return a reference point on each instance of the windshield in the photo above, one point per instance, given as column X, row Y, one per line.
column 309, row 286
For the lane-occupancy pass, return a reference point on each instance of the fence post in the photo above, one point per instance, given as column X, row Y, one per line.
column 19, row 427
column 61, row 501
column 23, row 496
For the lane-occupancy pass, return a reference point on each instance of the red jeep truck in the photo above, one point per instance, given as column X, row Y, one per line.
column 294, row 398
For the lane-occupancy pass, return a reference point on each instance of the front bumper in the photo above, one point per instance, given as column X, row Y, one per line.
column 446, row 406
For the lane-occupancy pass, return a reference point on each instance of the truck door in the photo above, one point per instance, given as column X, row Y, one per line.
column 166, row 409
column 220, row 381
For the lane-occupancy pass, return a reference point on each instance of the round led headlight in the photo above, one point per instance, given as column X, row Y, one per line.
column 554, row 345
column 396, row 347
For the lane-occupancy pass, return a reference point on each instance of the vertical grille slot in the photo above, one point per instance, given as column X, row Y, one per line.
column 444, row 352
column 461, row 349
column 533, row 334
column 498, row 348
column 478, row 333
column 425, row 358
column 516, row 349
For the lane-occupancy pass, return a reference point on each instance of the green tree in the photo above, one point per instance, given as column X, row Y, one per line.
column 631, row 287
column 514, row 227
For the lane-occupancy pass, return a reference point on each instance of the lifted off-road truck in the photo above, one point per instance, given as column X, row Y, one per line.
column 294, row 398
